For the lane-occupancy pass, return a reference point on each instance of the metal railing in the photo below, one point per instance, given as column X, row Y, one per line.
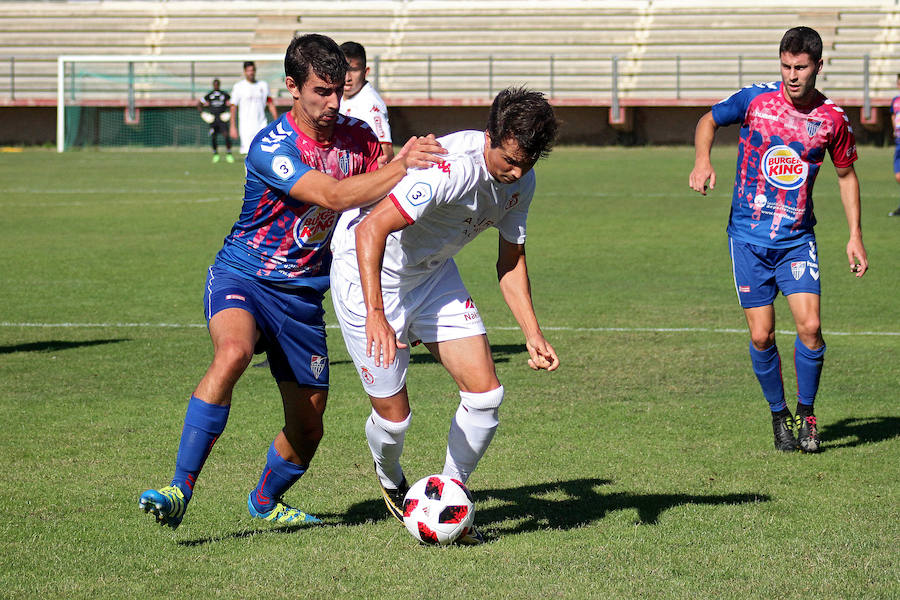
column 431, row 78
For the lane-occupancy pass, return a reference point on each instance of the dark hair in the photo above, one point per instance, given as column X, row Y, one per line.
column 216, row 80
column 249, row 63
column 802, row 40
column 317, row 52
column 525, row 116
column 354, row 51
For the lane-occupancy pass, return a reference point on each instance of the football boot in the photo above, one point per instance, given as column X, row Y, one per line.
column 281, row 513
column 167, row 504
column 807, row 433
column 393, row 497
column 783, row 428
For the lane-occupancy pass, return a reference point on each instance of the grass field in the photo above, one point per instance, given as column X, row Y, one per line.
column 643, row 468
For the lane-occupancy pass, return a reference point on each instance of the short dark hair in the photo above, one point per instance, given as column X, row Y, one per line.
column 317, row 52
column 249, row 63
column 525, row 116
column 355, row 51
column 802, row 40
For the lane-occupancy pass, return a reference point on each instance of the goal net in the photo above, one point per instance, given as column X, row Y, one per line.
column 147, row 101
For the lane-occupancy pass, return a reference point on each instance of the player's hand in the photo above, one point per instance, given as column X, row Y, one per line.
column 699, row 176
column 541, row 354
column 381, row 339
column 232, row 131
column 856, row 255
column 420, row 152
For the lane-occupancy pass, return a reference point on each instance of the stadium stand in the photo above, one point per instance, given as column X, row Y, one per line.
column 666, row 50
column 618, row 54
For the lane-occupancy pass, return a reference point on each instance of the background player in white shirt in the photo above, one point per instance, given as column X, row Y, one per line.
column 394, row 282
column 362, row 100
column 249, row 99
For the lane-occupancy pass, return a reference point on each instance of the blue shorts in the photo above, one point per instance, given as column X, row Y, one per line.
column 760, row 272
column 291, row 322
column 897, row 158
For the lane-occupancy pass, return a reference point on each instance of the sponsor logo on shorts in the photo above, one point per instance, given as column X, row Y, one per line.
column 366, row 375
column 235, row 297
column 783, row 167
column 744, row 289
column 317, row 364
column 798, row 268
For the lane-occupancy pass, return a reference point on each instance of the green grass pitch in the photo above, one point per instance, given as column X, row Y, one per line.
column 643, row 468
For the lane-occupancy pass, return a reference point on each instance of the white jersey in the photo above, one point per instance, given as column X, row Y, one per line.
column 251, row 100
column 446, row 206
column 368, row 106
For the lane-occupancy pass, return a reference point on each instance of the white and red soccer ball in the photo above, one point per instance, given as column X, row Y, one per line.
column 438, row 510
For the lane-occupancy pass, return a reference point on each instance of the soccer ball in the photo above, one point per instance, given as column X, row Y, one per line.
column 438, row 509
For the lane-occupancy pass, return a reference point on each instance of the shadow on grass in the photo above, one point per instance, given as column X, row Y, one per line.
column 238, row 535
column 563, row 505
column 54, row 345
column 556, row 505
column 500, row 352
column 860, row 431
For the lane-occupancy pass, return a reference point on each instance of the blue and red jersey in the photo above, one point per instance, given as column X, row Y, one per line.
column 895, row 118
column 780, row 152
column 277, row 238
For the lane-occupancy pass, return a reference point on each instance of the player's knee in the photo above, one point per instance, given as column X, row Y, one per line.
column 809, row 329
column 310, row 429
column 763, row 339
column 897, row 176
column 234, row 355
column 392, row 427
column 484, row 407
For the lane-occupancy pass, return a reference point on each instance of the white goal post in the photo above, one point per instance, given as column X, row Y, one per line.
column 128, row 80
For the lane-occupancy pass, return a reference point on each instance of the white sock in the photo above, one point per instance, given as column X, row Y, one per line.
column 386, row 443
column 471, row 431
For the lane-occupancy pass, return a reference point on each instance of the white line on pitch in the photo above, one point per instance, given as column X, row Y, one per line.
column 502, row 328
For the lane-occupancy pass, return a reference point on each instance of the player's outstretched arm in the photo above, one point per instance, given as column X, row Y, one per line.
column 371, row 237
column 848, row 183
column 703, row 141
column 232, row 130
column 512, row 273
column 316, row 187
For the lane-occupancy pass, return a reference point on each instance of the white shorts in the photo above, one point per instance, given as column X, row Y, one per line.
column 438, row 310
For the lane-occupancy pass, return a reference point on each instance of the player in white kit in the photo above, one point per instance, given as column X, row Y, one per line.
column 362, row 100
column 394, row 283
column 249, row 99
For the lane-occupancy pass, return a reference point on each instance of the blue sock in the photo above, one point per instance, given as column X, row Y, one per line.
column 277, row 477
column 808, row 364
column 767, row 366
column 203, row 424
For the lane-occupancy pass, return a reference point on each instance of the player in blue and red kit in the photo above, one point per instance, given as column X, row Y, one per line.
column 895, row 124
column 786, row 129
column 265, row 288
